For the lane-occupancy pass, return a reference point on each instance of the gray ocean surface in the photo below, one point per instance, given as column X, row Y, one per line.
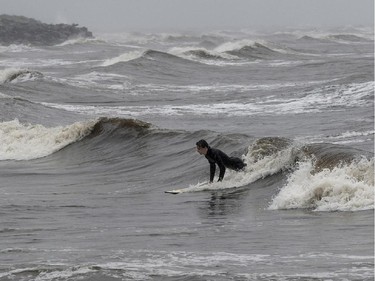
column 94, row 131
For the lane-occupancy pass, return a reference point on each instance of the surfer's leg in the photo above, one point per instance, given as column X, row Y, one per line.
column 237, row 164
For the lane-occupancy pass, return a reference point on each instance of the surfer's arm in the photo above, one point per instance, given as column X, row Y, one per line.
column 220, row 163
column 222, row 170
column 212, row 171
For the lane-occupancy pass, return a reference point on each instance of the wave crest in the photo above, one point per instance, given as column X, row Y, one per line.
column 27, row 141
column 104, row 124
column 18, row 75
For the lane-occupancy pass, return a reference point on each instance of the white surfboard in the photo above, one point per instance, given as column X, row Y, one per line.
column 197, row 188
column 175, row 191
column 191, row 188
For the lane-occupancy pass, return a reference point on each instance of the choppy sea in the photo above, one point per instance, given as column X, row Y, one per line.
column 93, row 131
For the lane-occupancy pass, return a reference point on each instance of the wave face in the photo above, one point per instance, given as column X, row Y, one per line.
column 93, row 132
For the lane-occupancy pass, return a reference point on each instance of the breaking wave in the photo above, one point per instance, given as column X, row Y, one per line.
column 347, row 187
column 329, row 177
column 229, row 51
column 27, row 141
column 18, row 75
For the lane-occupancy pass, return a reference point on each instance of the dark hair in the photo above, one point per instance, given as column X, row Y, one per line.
column 202, row 143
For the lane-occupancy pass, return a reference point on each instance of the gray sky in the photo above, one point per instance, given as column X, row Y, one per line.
column 169, row 15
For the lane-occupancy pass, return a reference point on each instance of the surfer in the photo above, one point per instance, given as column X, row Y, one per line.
column 216, row 156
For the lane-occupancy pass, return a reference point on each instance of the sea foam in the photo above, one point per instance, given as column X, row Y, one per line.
column 348, row 187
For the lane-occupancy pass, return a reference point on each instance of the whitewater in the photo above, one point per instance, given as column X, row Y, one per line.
column 94, row 131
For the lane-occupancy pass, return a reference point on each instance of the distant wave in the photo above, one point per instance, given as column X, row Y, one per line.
column 250, row 49
column 309, row 38
column 14, row 48
column 337, row 97
column 230, row 51
column 163, row 56
column 338, row 38
column 138, row 56
column 201, row 53
column 348, row 38
column 123, row 58
column 80, row 40
column 256, row 51
column 204, row 54
column 18, row 75
column 348, row 137
column 238, row 52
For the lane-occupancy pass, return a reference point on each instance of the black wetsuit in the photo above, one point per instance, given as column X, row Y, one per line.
column 216, row 156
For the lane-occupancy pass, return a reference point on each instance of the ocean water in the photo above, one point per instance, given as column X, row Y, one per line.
column 94, row 131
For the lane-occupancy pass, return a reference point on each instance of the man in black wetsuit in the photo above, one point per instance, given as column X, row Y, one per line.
column 216, row 156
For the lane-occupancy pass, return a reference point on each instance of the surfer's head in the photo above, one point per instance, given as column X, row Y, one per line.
column 202, row 147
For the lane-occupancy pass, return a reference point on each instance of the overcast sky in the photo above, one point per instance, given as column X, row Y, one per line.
column 168, row 15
